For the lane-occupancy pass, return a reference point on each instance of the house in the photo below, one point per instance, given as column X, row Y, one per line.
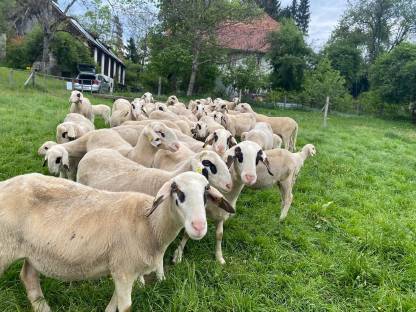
column 248, row 39
column 110, row 64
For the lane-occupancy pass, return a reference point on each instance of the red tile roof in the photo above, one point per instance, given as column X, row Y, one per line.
column 248, row 37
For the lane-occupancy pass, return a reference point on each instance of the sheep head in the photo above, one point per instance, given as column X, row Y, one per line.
column 160, row 136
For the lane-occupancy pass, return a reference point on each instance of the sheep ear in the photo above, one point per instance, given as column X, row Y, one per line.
column 126, row 114
column 230, row 161
column 161, row 196
column 44, row 162
column 265, row 161
column 144, row 112
column 216, row 197
column 209, row 140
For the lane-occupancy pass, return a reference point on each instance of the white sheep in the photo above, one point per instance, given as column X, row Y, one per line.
column 236, row 124
column 71, row 232
column 73, row 127
column 285, row 167
column 103, row 111
column 152, row 137
column 285, row 127
column 123, row 110
column 126, row 175
column 242, row 160
column 80, row 105
column 220, row 141
column 148, row 98
column 263, row 135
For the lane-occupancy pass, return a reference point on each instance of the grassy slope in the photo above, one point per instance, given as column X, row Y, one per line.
column 356, row 253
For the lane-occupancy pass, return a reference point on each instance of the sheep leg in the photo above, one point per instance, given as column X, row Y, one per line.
column 124, row 285
column 177, row 257
column 287, row 197
column 160, row 273
column 112, row 306
column 30, row 279
column 218, row 248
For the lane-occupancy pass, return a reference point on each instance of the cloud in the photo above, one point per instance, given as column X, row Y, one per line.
column 324, row 18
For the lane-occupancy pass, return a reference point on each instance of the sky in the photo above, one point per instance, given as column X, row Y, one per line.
column 324, row 17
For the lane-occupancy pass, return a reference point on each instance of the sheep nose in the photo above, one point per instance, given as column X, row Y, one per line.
column 220, row 148
column 198, row 225
column 250, row 178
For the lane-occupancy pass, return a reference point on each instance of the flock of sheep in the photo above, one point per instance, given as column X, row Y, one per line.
column 161, row 167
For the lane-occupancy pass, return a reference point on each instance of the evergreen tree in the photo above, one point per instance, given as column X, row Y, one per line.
column 303, row 15
column 294, row 9
column 117, row 36
column 272, row 7
column 132, row 53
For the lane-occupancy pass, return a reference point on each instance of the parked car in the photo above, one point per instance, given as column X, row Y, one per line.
column 88, row 80
column 92, row 82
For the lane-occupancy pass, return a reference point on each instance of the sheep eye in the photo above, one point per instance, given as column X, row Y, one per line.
column 199, row 126
column 64, row 134
column 132, row 105
column 46, row 148
column 215, row 137
column 58, row 160
column 205, row 173
column 162, row 134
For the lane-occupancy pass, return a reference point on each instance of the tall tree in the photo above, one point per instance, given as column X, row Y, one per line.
column 384, row 23
column 45, row 14
column 117, row 36
column 288, row 55
column 393, row 75
column 98, row 20
column 195, row 24
column 303, row 16
column 272, row 7
column 132, row 53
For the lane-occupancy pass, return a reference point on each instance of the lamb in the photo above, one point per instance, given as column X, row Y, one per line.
column 123, row 110
column 80, row 105
column 128, row 176
column 102, row 110
column 285, row 167
column 173, row 100
column 242, row 159
column 148, row 98
column 236, row 124
column 73, row 127
column 64, row 172
column 220, row 141
column 263, row 135
column 204, row 127
column 285, row 127
column 153, row 136
column 71, row 232
column 223, row 105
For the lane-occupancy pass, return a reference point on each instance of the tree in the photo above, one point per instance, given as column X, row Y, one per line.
column 97, row 19
column 43, row 11
column 303, row 16
column 132, row 53
column 117, row 37
column 347, row 59
column 246, row 77
column 194, row 25
column 393, row 75
column 383, row 23
column 288, row 56
column 325, row 81
column 272, row 7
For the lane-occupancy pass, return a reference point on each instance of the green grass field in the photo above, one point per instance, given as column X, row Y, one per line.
column 348, row 243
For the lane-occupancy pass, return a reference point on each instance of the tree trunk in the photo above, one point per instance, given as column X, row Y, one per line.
column 193, row 74
column 45, row 51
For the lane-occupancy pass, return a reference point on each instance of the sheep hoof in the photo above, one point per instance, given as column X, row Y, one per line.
column 41, row 306
column 282, row 218
column 221, row 261
column 177, row 257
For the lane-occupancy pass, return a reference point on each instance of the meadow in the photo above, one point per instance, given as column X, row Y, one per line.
column 348, row 243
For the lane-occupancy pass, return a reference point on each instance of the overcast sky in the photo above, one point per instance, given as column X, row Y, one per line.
column 324, row 17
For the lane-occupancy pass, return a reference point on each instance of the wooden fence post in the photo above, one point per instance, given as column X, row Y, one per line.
column 326, row 111
column 11, row 77
column 159, row 87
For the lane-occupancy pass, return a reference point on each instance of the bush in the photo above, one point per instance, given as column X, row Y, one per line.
column 21, row 52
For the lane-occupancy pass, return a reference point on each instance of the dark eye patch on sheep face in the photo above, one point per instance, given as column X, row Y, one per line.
column 239, row 154
column 215, row 137
column 58, row 160
column 64, row 134
column 179, row 193
column 230, row 142
column 208, row 164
